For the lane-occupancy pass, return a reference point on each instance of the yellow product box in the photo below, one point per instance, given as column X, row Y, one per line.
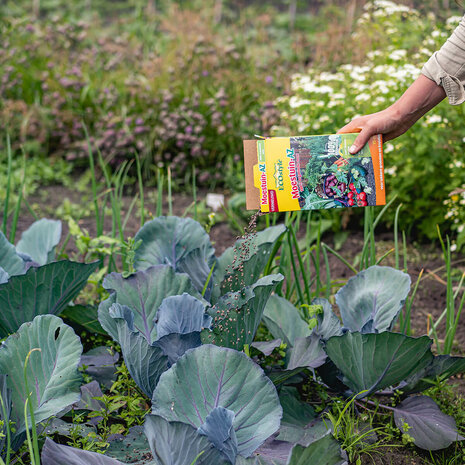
column 313, row 172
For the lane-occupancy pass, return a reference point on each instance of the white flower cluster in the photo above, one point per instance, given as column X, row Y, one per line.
column 453, row 21
column 381, row 8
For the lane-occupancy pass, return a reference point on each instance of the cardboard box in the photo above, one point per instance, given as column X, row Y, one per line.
column 313, row 172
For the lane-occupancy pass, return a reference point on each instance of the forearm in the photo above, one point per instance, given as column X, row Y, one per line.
column 417, row 100
column 423, row 95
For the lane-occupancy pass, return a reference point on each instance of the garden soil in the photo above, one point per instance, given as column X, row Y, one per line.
column 430, row 298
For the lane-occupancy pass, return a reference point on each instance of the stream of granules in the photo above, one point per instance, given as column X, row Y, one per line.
column 227, row 319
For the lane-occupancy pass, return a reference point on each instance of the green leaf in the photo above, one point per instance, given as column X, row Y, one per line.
column 63, row 428
column 10, row 261
column 236, row 315
column 134, row 447
column 325, row 451
column 370, row 362
column 57, row 454
column 85, row 316
column 270, row 453
column 443, row 366
column 181, row 243
column 266, row 347
column 4, row 276
column 40, row 239
column 88, row 401
column 371, row 300
column 100, row 364
column 44, row 290
column 295, row 412
column 143, row 292
column 304, row 435
column 420, row 418
column 279, row 376
column 166, row 437
column 51, row 372
column 306, row 353
column 181, row 314
column 242, row 264
column 107, row 323
column 145, row 361
column 284, row 320
column 259, row 460
column 218, row 428
column 331, row 376
column 328, row 323
column 208, row 377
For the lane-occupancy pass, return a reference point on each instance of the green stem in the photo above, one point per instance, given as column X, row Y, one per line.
column 6, row 421
column 197, row 458
column 340, row 257
column 35, row 446
column 194, row 192
column 8, row 184
column 93, row 181
column 406, row 323
column 160, row 181
column 301, row 264
column 14, row 222
column 170, row 198
column 141, row 191
column 396, row 238
column 328, row 274
column 294, row 268
column 208, row 279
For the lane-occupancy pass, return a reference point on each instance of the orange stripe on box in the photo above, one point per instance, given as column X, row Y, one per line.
column 376, row 150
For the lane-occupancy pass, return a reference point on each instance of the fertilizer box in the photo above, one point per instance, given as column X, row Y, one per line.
column 313, row 172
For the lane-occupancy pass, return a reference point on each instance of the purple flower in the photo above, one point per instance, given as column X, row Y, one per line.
column 189, row 129
column 203, row 177
column 140, row 129
column 66, row 82
column 269, row 79
column 195, row 151
column 205, row 73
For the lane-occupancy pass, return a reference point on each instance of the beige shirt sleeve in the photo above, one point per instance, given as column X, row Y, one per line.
column 447, row 66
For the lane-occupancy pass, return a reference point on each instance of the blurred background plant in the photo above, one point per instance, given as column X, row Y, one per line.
column 181, row 83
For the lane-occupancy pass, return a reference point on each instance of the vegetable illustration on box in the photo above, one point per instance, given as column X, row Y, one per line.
column 313, row 172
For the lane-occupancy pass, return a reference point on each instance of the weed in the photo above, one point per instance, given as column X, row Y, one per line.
column 355, row 432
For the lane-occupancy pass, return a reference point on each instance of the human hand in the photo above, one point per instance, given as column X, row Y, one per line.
column 388, row 122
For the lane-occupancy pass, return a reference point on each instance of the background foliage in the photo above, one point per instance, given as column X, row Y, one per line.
column 182, row 83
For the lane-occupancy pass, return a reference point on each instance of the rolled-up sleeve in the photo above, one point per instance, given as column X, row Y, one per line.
column 447, row 66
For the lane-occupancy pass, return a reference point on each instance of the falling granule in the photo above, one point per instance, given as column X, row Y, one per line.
column 234, row 273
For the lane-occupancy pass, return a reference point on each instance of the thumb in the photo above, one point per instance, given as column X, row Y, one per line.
column 360, row 140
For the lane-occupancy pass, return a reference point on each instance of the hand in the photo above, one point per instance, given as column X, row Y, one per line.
column 417, row 100
column 387, row 122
